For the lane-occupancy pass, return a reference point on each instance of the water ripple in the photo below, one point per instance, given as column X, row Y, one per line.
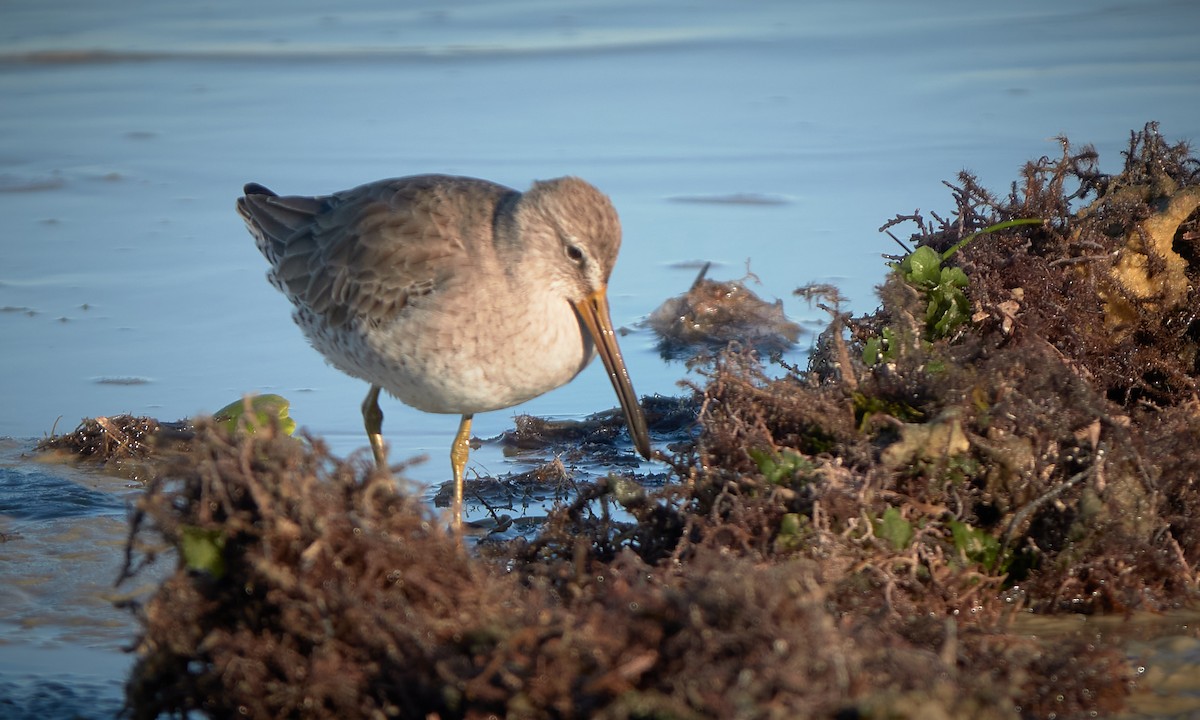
column 31, row 493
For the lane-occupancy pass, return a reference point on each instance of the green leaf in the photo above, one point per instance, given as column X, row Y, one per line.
column 975, row 544
column 883, row 348
column 779, row 468
column 261, row 409
column 954, row 314
column 953, row 277
column 793, row 530
column 202, row 550
column 873, row 351
column 894, row 528
column 762, row 459
column 933, row 311
column 790, row 524
column 922, row 267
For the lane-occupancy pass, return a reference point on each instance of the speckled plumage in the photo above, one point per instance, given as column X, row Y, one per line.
column 454, row 294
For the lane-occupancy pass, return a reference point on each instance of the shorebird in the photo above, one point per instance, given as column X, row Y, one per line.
column 455, row 295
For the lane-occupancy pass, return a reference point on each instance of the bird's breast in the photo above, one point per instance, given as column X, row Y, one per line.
column 472, row 355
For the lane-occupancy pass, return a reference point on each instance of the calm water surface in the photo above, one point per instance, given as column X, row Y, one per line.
column 128, row 284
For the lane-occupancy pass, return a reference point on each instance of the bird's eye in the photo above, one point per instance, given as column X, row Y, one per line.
column 574, row 253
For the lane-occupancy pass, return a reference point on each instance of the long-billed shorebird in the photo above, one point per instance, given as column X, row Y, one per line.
column 455, row 295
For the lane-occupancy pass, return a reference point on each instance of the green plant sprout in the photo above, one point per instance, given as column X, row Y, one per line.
column 990, row 229
column 782, row 467
column 895, row 529
column 203, row 550
column 978, row 546
column 947, row 306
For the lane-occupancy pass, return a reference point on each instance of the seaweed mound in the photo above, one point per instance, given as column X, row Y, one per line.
column 309, row 586
column 1013, row 430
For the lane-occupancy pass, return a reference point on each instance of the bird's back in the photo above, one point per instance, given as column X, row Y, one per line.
column 363, row 253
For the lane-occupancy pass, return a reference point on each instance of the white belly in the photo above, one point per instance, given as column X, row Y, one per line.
column 461, row 359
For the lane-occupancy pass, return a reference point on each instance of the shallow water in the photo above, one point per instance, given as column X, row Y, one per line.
column 127, row 283
column 1163, row 648
column 60, row 635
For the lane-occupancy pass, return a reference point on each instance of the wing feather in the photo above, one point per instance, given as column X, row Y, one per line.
column 365, row 253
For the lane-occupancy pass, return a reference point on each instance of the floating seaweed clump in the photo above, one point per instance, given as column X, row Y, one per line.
column 1012, row 431
column 712, row 314
column 123, row 445
column 131, row 445
column 105, row 439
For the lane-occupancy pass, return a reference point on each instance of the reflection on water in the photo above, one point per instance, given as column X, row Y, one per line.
column 1164, row 648
column 1167, row 667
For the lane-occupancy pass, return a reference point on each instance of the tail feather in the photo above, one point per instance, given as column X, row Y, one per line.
column 272, row 219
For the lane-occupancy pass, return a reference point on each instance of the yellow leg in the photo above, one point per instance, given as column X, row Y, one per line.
column 458, row 463
column 373, row 421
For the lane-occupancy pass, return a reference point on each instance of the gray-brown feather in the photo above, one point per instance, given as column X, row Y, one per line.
column 363, row 253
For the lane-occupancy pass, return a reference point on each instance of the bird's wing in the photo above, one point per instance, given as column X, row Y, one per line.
column 364, row 253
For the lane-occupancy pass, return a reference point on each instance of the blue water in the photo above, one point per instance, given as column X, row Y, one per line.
column 127, row 283
column 30, row 492
column 61, row 638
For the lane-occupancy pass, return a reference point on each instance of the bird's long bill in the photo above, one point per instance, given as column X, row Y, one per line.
column 594, row 311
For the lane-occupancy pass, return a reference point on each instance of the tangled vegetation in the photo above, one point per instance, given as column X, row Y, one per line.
column 1013, row 430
